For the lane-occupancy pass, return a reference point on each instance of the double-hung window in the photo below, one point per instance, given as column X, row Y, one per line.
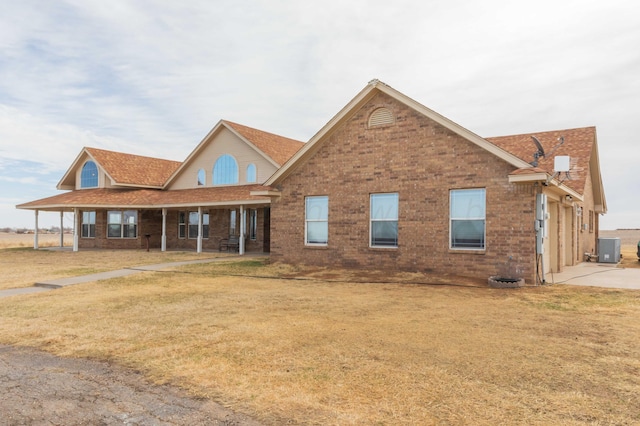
column 193, row 225
column 468, row 217
column 88, row 224
column 384, row 220
column 316, row 220
column 188, row 225
column 182, row 224
column 122, row 224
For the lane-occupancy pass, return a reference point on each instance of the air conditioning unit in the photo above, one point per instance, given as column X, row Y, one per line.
column 608, row 250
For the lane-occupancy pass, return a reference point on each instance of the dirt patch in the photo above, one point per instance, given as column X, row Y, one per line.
column 37, row 388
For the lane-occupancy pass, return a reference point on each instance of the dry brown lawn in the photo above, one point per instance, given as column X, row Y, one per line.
column 22, row 267
column 299, row 346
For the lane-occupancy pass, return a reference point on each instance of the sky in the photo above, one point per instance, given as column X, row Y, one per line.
column 153, row 77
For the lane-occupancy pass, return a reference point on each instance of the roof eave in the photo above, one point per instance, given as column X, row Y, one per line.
column 72, row 206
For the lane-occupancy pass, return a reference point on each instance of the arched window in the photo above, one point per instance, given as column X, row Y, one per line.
column 201, row 177
column 251, row 173
column 89, row 175
column 225, row 171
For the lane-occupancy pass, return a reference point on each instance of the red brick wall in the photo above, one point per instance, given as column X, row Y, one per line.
column 150, row 222
column 421, row 161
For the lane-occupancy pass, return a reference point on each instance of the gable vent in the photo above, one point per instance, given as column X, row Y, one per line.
column 381, row 117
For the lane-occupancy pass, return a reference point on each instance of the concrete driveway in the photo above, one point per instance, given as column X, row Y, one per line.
column 597, row 275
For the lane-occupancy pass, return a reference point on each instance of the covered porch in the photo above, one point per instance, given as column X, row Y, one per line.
column 200, row 220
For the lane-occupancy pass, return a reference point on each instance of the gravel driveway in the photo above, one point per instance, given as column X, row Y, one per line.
column 37, row 388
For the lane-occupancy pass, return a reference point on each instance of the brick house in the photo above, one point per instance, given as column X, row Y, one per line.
column 391, row 184
column 387, row 183
column 119, row 199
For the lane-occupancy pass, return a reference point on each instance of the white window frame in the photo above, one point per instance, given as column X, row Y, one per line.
column 131, row 214
column 387, row 217
column 474, row 213
column 322, row 217
column 88, row 224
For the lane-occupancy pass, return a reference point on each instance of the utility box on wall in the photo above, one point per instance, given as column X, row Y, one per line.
column 609, row 250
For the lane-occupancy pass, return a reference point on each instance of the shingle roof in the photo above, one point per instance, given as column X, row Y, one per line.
column 578, row 145
column 279, row 148
column 149, row 198
column 129, row 169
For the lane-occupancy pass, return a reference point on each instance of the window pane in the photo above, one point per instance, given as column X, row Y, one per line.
column 317, row 208
column 232, row 223
column 89, row 175
column 113, row 231
column 193, row 218
column 468, row 204
column 384, row 233
column 251, row 173
column 130, row 217
column 114, row 217
column 384, row 206
column 225, row 170
column 201, row 177
column 467, row 233
column 130, row 231
column 193, row 231
column 317, row 232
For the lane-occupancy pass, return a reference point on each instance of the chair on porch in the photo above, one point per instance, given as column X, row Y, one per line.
column 229, row 244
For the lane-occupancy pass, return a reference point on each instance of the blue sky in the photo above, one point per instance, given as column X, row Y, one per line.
column 153, row 77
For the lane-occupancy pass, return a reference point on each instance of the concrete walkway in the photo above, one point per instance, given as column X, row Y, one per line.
column 41, row 286
column 597, row 275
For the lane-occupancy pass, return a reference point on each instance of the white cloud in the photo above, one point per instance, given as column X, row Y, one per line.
column 152, row 77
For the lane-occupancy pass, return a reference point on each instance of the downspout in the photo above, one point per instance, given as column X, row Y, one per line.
column 540, row 228
column 163, row 244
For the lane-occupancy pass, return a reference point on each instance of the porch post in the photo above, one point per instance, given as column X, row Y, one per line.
column 61, row 228
column 243, row 222
column 35, row 233
column 199, row 250
column 76, row 236
column 163, row 246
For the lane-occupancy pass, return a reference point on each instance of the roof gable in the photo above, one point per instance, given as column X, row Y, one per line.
column 372, row 89
column 123, row 169
column 274, row 148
